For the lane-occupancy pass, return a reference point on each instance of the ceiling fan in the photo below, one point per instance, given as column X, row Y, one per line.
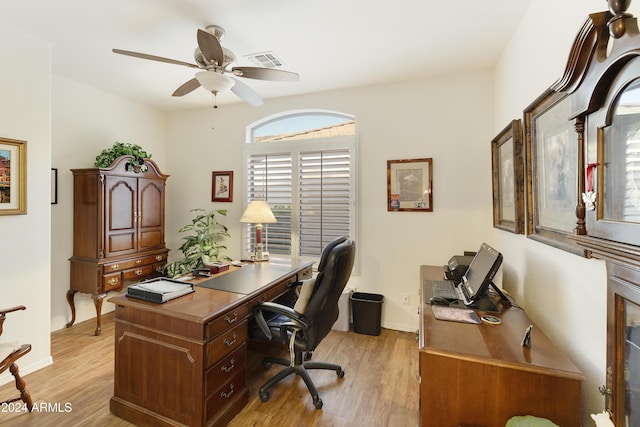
column 214, row 61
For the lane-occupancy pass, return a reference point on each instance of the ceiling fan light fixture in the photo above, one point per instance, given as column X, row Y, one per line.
column 214, row 82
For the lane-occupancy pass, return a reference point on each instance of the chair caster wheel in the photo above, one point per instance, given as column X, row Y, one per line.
column 265, row 395
column 266, row 364
column 317, row 402
column 340, row 373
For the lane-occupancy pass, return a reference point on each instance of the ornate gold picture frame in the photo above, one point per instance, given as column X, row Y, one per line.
column 13, row 177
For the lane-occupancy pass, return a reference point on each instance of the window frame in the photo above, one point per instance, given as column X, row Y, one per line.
column 294, row 147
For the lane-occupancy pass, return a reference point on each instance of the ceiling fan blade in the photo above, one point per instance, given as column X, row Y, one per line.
column 210, row 47
column 246, row 93
column 265, row 74
column 153, row 58
column 187, row 87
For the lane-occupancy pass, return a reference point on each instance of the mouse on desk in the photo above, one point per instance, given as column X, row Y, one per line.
column 439, row 301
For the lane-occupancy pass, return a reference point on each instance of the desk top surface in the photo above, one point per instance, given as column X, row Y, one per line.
column 497, row 343
column 206, row 302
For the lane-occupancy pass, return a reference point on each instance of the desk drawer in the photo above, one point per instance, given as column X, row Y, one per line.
column 138, row 273
column 225, row 321
column 305, row 274
column 225, row 394
column 226, row 342
column 112, row 282
column 222, row 371
column 132, row 263
column 280, row 289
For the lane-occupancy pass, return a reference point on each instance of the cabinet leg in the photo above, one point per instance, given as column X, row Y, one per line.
column 97, row 300
column 70, row 294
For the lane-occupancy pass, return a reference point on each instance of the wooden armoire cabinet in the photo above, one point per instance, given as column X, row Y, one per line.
column 118, row 229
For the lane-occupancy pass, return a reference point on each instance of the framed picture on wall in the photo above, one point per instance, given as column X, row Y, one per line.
column 410, row 185
column 222, row 186
column 508, row 178
column 13, row 177
column 552, row 171
column 54, row 186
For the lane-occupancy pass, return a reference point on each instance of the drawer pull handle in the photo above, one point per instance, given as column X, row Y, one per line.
column 139, row 272
column 227, row 395
column 113, row 281
column 114, row 267
column 230, row 343
column 138, row 261
column 224, row 368
column 231, row 320
column 158, row 257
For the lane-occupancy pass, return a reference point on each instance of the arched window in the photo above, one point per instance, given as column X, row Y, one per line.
column 303, row 164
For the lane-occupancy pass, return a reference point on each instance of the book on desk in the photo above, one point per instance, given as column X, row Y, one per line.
column 159, row 289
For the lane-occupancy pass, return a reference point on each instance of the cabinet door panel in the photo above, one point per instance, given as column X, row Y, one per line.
column 120, row 208
column 151, row 216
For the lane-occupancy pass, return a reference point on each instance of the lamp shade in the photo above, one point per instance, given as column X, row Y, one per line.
column 214, row 82
column 258, row 212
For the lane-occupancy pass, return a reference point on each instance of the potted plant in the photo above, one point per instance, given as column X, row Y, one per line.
column 107, row 156
column 203, row 247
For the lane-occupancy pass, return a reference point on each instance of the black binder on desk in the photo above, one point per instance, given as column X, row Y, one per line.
column 160, row 289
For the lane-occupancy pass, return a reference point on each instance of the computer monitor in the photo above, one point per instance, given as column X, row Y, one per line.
column 481, row 271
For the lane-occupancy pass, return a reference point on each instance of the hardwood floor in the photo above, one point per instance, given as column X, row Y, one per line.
column 379, row 388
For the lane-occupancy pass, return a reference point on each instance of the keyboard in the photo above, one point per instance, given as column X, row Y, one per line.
column 445, row 289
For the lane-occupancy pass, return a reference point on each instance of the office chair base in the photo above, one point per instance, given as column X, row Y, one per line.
column 300, row 370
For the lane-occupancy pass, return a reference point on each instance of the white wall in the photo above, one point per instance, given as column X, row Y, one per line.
column 86, row 121
column 446, row 118
column 451, row 119
column 25, row 261
column 563, row 293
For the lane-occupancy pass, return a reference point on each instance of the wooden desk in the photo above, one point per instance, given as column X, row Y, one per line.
column 184, row 362
column 480, row 375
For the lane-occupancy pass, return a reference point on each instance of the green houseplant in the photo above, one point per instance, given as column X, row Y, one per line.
column 203, row 246
column 107, row 156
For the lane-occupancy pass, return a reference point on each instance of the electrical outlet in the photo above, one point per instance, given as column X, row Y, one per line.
column 405, row 299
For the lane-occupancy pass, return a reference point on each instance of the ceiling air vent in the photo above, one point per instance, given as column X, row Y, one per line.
column 266, row 59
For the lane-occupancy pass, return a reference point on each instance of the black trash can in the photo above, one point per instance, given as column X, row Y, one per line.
column 367, row 312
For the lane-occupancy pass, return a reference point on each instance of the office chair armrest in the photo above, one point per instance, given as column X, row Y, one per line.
column 298, row 321
column 269, row 307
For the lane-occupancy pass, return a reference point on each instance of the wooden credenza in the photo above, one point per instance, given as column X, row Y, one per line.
column 481, row 375
column 118, row 230
column 184, row 362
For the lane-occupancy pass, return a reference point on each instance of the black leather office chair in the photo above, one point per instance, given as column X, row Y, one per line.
column 303, row 327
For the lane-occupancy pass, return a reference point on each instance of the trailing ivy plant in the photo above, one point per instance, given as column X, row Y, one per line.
column 107, row 156
column 202, row 247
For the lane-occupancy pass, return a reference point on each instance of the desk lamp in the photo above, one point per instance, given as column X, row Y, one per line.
column 258, row 212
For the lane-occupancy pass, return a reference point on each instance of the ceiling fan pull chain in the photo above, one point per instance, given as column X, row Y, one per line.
column 213, row 114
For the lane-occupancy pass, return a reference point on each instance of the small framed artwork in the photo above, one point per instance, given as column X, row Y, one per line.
column 13, row 177
column 552, row 171
column 54, row 186
column 222, row 186
column 410, row 185
column 508, row 178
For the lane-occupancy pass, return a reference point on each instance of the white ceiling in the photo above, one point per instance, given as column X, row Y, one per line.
column 332, row 44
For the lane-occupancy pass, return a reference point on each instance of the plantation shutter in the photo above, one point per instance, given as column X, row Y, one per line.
column 269, row 178
column 324, row 195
